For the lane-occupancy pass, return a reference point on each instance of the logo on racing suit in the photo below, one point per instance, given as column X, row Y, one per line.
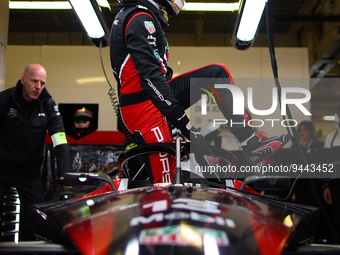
column 150, row 26
column 155, row 52
column 163, row 157
column 152, row 40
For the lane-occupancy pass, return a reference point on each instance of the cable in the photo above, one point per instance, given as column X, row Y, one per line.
column 295, row 136
column 277, row 82
column 112, row 93
column 129, row 138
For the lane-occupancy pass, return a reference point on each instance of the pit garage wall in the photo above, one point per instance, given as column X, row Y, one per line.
column 75, row 75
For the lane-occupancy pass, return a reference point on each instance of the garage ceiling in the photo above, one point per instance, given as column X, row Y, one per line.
column 296, row 23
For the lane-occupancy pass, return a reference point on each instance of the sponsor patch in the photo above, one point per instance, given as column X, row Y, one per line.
column 150, row 26
column 155, row 52
column 183, row 235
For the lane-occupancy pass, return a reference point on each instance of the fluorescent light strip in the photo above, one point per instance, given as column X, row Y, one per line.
column 64, row 5
column 329, row 118
column 88, row 18
column 250, row 19
column 222, row 7
column 104, row 3
column 55, row 5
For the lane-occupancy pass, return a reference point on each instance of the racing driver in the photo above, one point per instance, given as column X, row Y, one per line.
column 149, row 97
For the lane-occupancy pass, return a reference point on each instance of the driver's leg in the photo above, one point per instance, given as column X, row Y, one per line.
column 255, row 148
column 148, row 125
column 188, row 93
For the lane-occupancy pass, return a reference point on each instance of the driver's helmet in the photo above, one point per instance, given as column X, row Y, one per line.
column 172, row 7
column 83, row 118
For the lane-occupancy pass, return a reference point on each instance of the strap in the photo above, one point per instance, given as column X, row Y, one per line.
column 133, row 98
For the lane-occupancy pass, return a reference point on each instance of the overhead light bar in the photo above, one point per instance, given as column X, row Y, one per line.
column 91, row 15
column 222, row 7
column 250, row 19
column 104, row 3
column 89, row 12
column 247, row 24
column 65, row 5
column 46, row 5
column 88, row 18
column 329, row 118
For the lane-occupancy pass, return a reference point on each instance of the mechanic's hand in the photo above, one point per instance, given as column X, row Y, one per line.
column 198, row 144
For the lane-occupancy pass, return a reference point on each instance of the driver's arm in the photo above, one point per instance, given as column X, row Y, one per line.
column 151, row 69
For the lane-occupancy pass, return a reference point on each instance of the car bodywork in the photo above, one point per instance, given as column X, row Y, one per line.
column 185, row 217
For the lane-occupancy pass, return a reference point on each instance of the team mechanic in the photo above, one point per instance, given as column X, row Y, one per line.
column 148, row 96
column 26, row 112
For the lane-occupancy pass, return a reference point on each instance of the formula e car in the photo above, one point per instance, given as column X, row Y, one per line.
column 193, row 215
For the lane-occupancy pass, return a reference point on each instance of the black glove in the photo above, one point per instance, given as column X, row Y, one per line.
column 198, row 144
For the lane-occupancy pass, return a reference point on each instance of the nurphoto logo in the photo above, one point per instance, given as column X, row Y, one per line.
column 211, row 101
column 238, row 100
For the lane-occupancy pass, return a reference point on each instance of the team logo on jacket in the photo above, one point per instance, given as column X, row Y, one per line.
column 12, row 112
column 56, row 110
column 149, row 26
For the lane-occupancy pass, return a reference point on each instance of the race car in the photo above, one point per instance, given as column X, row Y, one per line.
column 192, row 215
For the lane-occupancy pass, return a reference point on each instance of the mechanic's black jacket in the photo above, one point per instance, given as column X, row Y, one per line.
column 139, row 48
column 23, row 128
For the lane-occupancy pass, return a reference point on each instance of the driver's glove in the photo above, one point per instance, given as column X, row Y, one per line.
column 198, row 144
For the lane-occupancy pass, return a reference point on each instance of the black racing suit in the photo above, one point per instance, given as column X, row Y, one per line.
column 148, row 96
column 23, row 128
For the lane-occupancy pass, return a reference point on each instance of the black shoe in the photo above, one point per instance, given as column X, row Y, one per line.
column 261, row 147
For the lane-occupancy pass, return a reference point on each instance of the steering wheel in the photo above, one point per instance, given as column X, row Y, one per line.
column 227, row 160
column 223, row 168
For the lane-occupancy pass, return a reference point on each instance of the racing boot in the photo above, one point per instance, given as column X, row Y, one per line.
column 259, row 147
